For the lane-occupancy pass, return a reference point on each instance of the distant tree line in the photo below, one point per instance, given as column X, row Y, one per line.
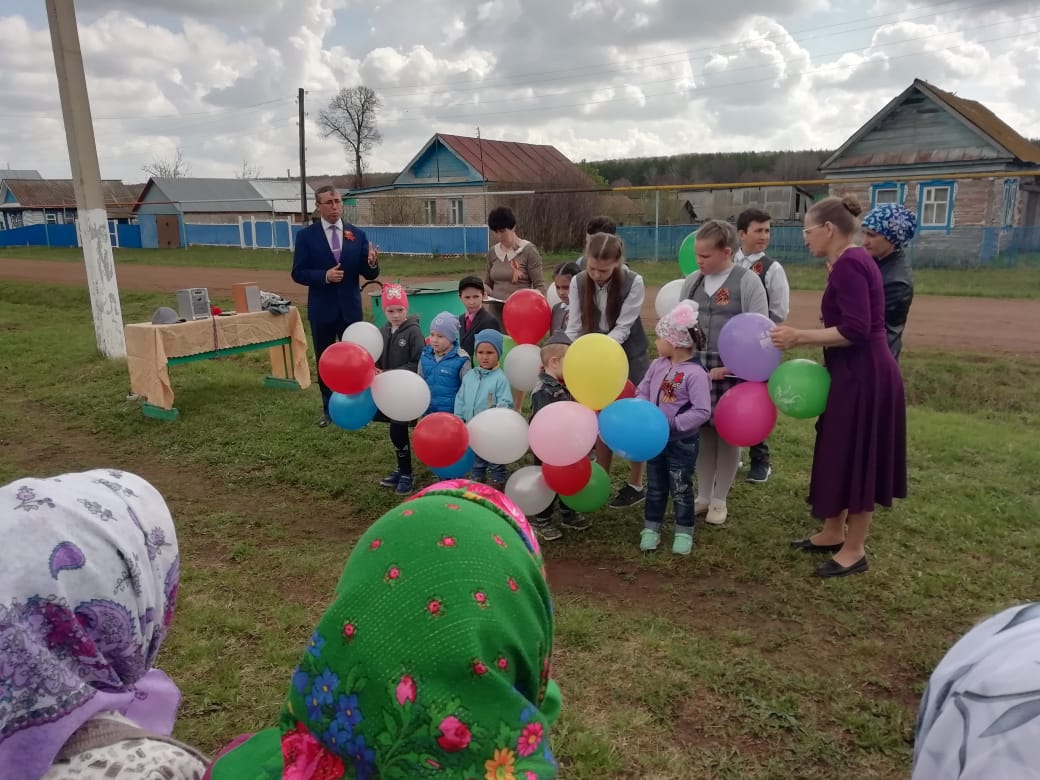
column 713, row 167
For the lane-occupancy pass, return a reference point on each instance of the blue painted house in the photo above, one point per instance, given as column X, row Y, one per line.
column 446, row 181
column 972, row 180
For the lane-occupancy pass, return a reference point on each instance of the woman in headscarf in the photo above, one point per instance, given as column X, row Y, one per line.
column 887, row 229
column 432, row 661
column 88, row 584
column 980, row 714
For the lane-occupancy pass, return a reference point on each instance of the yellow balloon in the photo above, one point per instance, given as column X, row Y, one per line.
column 595, row 370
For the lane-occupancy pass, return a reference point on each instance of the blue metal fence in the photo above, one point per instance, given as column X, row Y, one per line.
column 959, row 247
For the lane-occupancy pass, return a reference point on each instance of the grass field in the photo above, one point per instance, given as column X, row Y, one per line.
column 733, row 663
column 1020, row 282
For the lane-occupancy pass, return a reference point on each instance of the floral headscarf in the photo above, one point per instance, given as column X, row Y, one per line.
column 980, row 714
column 88, row 583
column 674, row 327
column 893, row 221
column 432, row 662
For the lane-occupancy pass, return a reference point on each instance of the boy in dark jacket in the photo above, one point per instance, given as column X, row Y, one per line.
column 476, row 318
column 551, row 389
column 402, row 345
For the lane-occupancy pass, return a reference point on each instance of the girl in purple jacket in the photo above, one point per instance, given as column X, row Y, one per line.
column 678, row 385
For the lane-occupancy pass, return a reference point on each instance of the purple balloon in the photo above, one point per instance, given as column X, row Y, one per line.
column 745, row 347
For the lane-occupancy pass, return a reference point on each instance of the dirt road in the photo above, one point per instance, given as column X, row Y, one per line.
column 984, row 325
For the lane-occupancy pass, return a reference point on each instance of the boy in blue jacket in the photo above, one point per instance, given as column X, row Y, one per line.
column 443, row 364
column 483, row 388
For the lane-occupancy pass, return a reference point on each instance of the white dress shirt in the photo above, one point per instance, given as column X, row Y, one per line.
column 630, row 309
column 777, row 288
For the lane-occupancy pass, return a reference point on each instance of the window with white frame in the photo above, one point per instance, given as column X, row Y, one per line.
column 455, row 213
column 51, row 217
column 935, row 205
column 430, row 212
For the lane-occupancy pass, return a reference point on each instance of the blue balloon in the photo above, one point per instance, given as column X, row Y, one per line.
column 352, row 412
column 633, row 428
column 459, row 468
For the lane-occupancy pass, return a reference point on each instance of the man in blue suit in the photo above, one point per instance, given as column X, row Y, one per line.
column 330, row 256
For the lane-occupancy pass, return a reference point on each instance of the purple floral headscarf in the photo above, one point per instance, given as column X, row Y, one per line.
column 88, row 584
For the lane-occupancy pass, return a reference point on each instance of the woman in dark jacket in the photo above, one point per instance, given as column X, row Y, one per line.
column 887, row 229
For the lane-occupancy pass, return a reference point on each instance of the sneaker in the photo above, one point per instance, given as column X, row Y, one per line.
column 391, row 479
column 575, row 522
column 759, row 472
column 546, row 530
column 405, row 485
column 628, row 496
column 716, row 513
column 700, row 507
column 682, row 544
column 648, row 540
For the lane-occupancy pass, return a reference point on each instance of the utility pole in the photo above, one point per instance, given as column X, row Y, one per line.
column 92, row 218
column 303, row 161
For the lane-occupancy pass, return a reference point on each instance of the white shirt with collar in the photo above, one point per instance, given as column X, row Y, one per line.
column 777, row 288
column 627, row 316
column 327, row 227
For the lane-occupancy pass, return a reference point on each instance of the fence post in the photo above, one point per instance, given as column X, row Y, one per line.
column 241, row 234
column 252, row 224
column 657, row 223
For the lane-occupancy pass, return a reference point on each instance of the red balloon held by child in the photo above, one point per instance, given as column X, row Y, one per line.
column 628, row 391
column 346, row 368
column 526, row 316
column 568, row 480
column 440, row 440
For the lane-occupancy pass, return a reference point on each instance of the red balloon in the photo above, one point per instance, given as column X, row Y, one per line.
column 745, row 415
column 568, row 480
column 628, row 391
column 346, row 368
column 440, row 440
column 526, row 316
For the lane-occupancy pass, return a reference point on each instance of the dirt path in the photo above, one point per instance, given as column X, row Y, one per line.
column 984, row 325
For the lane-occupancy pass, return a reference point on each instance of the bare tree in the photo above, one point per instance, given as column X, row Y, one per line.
column 249, row 171
column 351, row 117
column 165, row 168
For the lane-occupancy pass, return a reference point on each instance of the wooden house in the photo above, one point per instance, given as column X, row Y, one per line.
column 973, row 182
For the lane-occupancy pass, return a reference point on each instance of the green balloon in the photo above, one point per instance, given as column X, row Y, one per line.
column 687, row 254
column 507, row 344
column 594, row 495
column 799, row 388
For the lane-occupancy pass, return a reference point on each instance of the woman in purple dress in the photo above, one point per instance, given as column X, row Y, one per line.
column 860, row 455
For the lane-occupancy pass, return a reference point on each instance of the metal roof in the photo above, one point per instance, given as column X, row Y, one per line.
column 512, row 162
column 195, row 196
column 284, row 192
column 12, row 173
column 60, row 193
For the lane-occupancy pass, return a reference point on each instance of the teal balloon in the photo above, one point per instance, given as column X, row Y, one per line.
column 352, row 412
column 594, row 495
column 687, row 254
column 799, row 388
column 459, row 468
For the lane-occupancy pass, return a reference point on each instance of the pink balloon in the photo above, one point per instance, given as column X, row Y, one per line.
column 563, row 432
column 745, row 415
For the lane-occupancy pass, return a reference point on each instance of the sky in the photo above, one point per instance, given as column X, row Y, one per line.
column 598, row 79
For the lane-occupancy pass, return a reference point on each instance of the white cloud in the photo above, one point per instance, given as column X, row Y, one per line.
column 597, row 78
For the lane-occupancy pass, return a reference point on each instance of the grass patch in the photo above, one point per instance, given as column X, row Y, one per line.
column 1016, row 282
column 732, row 663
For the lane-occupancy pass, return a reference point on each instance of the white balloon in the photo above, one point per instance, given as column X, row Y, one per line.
column 528, row 490
column 668, row 297
column 367, row 335
column 522, row 366
column 551, row 295
column 401, row 395
column 498, row 435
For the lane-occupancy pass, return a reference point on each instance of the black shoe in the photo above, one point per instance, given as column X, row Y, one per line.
column 806, row 545
column 390, row 480
column 759, row 472
column 628, row 496
column 323, row 421
column 832, row 568
column 575, row 522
